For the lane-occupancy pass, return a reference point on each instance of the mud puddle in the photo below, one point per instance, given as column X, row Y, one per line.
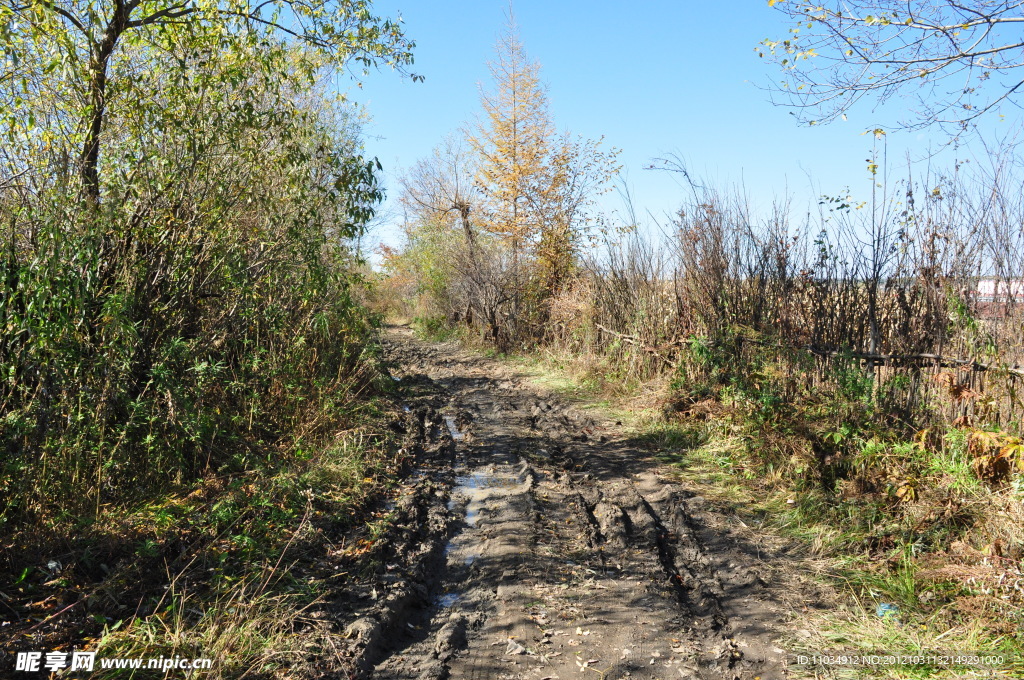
column 453, row 429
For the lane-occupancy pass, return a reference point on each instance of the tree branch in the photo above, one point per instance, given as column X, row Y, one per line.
column 75, row 21
column 172, row 12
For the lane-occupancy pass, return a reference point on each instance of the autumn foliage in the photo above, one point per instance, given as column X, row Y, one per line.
column 497, row 215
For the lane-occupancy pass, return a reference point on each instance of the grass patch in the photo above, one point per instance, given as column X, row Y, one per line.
column 232, row 568
column 909, row 566
column 437, row 329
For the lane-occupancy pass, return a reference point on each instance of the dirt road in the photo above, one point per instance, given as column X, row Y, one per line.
column 532, row 541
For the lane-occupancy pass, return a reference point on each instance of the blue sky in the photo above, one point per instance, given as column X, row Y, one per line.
column 653, row 78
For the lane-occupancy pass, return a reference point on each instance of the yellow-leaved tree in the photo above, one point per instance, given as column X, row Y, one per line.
column 535, row 185
column 512, row 141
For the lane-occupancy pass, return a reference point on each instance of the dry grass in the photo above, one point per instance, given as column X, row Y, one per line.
column 247, row 631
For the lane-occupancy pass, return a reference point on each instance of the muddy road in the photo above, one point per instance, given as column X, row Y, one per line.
column 532, row 541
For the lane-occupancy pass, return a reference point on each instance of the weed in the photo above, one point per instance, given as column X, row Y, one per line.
column 436, row 328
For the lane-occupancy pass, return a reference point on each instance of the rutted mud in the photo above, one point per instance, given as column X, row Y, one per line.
column 534, row 543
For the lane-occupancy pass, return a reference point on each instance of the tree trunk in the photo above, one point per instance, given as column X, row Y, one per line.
column 99, row 61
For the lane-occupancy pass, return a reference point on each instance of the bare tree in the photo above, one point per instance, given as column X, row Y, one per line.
column 959, row 60
column 442, row 185
column 437, row 191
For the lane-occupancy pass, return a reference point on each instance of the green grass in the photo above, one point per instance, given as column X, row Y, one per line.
column 238, row 600
column 232, row 568
column 437, row 329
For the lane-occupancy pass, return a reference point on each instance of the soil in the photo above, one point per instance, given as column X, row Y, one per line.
column 534, row 540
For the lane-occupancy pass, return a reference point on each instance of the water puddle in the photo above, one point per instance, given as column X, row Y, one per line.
column 472, row 514
column 472, row 510
column 471, row 492
column 447, row 600
column 475, row 488
column 454, row 428
column 483, row 478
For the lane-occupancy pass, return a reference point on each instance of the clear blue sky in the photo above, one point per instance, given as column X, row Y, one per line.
column 653, row 78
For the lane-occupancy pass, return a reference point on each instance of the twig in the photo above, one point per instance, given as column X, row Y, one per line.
column 288, row 545
column 633, row 340
column 53, row 616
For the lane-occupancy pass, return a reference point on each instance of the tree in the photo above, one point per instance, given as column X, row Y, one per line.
column 437, row 192
column 513, row 143
column 81, row 41
column 177, row 186
column 442, row 186
column 536, row 186
column 580, row 170
column 959, row 60
column 508, row 214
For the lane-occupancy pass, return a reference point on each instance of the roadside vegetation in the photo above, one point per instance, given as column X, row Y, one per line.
column 189, row 394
